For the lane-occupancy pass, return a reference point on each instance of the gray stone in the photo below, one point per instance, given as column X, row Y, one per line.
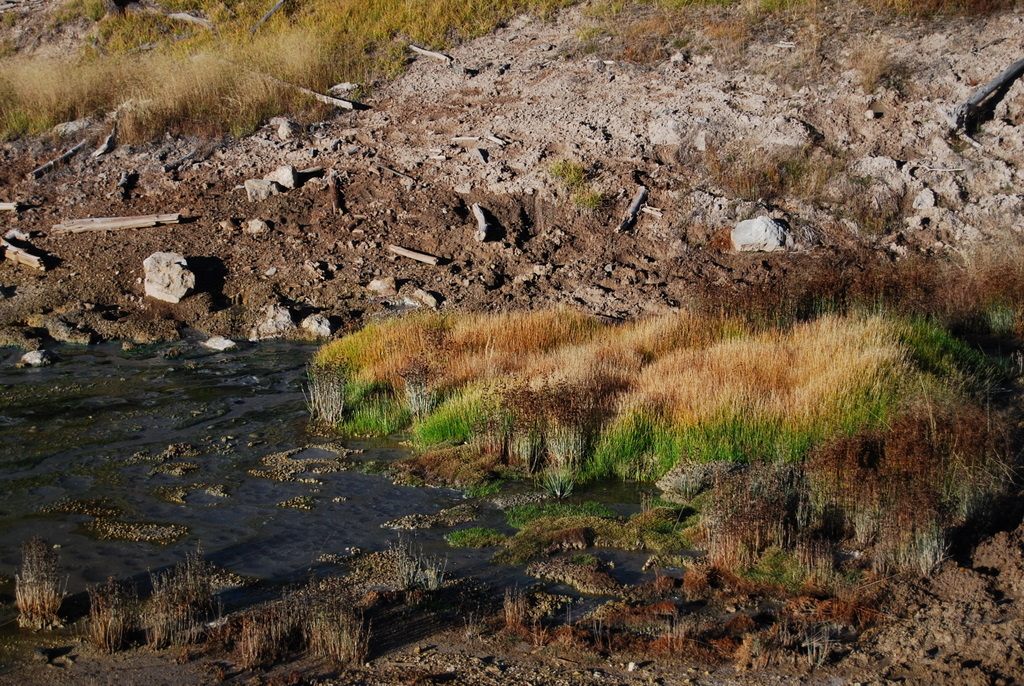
column 285, row 176
column 168, row 277
column 385, row 286
column 276, row 323
column 71, row 127
column 664, row 130
column 261, row 189
column 60, row 330
column 38, row 358
column 318, row 325
column 762, row 234
column 219, row 343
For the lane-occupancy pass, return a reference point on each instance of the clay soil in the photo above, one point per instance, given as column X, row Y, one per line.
column 632, row 112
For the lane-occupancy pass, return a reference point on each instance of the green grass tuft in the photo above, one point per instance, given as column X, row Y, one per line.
column 521, row 516
column 475, row 537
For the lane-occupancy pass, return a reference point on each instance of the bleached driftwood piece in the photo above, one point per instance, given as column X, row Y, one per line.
column 395, row 172
column 10, row 206
column 266, row 16
column 39, row 171
column 430, row 53
column 414, row 255
column 21, row 256
column 114, row 223
column 483, row 228
column 107, row 145
column 192, row 19
column 629, row 219
column 963, row 116
column 173, row 166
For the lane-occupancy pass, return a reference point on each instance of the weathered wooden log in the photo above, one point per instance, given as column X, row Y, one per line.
column 10, row 206
column 39, row 171
column 173, row 166
column 415, row 255
column 483, row 228
column 334, row 193
column 114, row 223
column 266, row 16
column 107, row 145
column 192, row 19
column 21, row 256
column 964, row 115
column 629, row 219
column 430, row 53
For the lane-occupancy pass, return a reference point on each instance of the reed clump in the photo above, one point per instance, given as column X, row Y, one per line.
column 39, row 586
column 113, row 614
column 182, row 597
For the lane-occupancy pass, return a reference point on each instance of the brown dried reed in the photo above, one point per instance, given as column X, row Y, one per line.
column 39, row 588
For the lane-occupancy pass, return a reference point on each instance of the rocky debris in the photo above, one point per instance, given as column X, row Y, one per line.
column 284, row 466
column 384, row 287
column 258, row 190
column 257, row 227
column 168, row 277
column 584, row 577
column 285, row 176
column 318, row 325
column 762, row 234
column 286, row 129
column 277, row 323
column 924, row 200
column 219, row 343
column 37, row 358
column 459, row 514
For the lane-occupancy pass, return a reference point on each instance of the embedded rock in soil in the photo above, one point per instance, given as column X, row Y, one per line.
column 318, row 325
column 260, row 189
column 277, row 323
column 286, row 129
column 761, row 234
column 168, row 277
column 385, row 286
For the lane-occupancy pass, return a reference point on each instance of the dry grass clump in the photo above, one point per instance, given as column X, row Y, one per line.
column 182, row 597
column 266, row 635
column 113, row 614
column 39, row 589
column 326, row 397
column 213, row 82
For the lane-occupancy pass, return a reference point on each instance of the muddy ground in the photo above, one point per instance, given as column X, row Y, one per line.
column 896, row 186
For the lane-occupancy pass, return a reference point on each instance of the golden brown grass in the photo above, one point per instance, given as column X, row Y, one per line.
column 113, row 613
column 39, row 589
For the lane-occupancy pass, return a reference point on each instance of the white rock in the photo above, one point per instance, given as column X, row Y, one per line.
column 219, row 343
column 260, row 189
column 277, row 323
column 761, row 234
column 426, row 298
column 37, row 358
column 168, row 277
column 664, row 130
column 342, row 88
column 385, row 286
column 924, row 200
column 318, row 325
column 286, row 129
column 285, row 176
column 255, row 227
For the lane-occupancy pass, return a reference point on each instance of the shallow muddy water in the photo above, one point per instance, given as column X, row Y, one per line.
column 109, row 435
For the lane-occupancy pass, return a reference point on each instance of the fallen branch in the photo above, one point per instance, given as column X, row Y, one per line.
column 963, row 116
column 10, row 206
column 173, row 166
column 114, row 223
column 39, row 171
column 414, row 255
column 107, row 145
column 629, row 219
column 266, row 16
column 481, row 221
column 395, row 172
column 334, row 192
column 192, row 19
column 430, row 53
column 325, row 99
column 21, row 256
